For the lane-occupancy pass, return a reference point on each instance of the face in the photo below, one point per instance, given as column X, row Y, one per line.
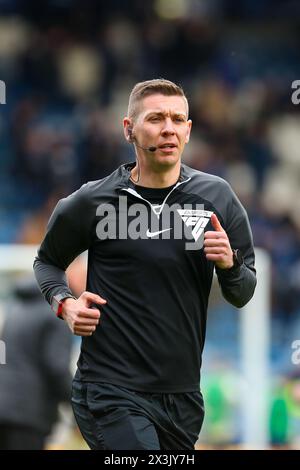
column 162, row 122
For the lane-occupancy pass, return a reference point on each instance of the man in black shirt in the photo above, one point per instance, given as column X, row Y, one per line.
column 155, row 230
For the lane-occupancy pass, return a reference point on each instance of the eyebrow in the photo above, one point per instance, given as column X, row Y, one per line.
column 161, row 113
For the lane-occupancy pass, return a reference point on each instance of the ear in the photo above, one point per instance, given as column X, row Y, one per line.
column 127, row 127
column 188, row 131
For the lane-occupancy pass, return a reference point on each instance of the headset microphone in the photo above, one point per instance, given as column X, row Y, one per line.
column 150, row 149
column 132, row 139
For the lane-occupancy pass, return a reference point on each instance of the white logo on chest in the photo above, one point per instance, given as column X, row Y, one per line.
column 195, row 218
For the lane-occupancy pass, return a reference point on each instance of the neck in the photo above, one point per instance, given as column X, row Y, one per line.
column 155, row 179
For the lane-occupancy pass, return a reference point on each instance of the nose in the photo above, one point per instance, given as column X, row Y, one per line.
column 168, row 127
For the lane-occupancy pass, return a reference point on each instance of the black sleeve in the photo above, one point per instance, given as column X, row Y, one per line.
column 239, row 284
column 68, row 235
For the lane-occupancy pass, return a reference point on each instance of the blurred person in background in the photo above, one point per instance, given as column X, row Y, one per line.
column 137, row 382
column 36, row 376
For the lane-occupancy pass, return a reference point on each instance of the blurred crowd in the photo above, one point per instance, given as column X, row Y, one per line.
column 69, row 67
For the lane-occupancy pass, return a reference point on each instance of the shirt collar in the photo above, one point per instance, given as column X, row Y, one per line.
column 127, row 167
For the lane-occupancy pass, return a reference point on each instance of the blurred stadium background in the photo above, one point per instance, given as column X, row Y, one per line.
column 68, row 67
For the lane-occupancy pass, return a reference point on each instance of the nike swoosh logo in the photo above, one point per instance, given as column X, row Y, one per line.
column 154, row 234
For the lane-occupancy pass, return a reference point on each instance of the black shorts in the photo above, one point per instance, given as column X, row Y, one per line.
column 111, row 417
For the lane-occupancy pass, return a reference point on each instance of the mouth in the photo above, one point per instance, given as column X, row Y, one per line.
column 169, row 146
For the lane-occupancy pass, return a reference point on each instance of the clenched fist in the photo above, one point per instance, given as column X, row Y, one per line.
column 81, row 319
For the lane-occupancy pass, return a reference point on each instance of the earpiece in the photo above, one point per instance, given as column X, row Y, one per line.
column 131, row 140
column 130, row 134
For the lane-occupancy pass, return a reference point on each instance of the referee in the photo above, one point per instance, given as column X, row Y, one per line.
column 155, row 230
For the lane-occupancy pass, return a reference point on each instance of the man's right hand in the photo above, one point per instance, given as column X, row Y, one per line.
column 81, row 319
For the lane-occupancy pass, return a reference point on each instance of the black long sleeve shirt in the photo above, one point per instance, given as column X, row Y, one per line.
column 152, row 330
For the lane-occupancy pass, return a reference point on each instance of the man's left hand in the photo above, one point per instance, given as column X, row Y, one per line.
column 217, row 246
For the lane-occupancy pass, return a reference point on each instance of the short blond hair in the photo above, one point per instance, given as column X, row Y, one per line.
column 152, row 87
